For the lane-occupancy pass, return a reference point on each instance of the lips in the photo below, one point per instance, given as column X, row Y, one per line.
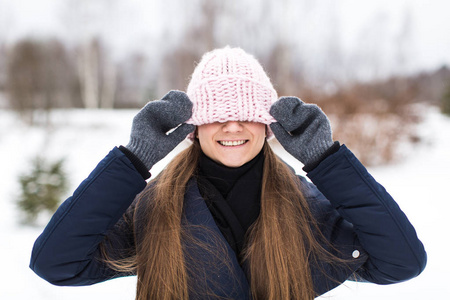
column 232, row 143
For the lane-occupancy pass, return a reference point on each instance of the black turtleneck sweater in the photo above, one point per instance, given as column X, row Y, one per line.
column 233, row 195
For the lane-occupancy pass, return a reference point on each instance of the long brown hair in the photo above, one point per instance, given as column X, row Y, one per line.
column 280, row 245
column 281, row 242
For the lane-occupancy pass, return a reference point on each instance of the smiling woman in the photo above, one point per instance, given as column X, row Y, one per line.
column 232, row 143
column 228, row 219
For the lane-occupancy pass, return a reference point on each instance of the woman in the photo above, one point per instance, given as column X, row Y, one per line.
column 227, row 219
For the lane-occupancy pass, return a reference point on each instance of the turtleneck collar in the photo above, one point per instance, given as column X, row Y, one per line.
column 223, row 177
column 233, row 196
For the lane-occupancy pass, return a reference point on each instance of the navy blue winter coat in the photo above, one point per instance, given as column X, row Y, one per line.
column 354, row 212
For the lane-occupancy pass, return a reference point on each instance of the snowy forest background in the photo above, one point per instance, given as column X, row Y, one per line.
column 70, row 94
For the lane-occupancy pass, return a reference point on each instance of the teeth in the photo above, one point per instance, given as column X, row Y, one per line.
column 232, row 143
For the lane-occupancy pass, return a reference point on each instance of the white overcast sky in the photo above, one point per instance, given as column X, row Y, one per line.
column 431, row 22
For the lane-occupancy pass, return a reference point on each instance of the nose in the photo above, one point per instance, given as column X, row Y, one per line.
column 232, row 126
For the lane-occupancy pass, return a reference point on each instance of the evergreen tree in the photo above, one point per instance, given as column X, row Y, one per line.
column 42, row 188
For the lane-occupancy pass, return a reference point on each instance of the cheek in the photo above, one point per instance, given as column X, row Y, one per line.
column 260, row 132
column 260, row 143
column 259, row 138
column 205, row 139
column 207, row 131
column 202, row 134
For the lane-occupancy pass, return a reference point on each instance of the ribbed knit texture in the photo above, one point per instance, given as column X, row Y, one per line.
column 230, row 85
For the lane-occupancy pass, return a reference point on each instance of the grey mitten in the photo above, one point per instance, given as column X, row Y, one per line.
column 149, row 139
column 302, row 129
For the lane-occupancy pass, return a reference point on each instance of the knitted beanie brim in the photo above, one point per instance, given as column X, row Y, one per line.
column 241, row 105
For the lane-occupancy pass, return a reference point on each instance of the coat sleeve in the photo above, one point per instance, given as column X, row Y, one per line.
column 67, row 252
column 394, row 251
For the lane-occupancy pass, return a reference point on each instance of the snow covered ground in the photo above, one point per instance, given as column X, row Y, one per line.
column 419, row 183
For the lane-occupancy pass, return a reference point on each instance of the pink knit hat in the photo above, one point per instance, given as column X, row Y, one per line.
column 230, row 85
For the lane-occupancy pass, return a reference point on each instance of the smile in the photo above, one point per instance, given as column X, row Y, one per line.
column 232, row 143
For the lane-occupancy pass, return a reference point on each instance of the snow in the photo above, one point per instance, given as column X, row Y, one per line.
column 83, row 137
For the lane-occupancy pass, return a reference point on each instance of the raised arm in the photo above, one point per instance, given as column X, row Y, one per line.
column 395, row 253
column 67, row 252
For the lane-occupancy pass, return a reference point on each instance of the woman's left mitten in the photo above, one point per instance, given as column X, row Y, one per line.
column 302, row 129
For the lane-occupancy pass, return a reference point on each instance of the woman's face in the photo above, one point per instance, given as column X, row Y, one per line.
column 233, row 143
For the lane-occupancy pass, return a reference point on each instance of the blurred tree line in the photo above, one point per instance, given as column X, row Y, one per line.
column 46, row 74
column 371, row 112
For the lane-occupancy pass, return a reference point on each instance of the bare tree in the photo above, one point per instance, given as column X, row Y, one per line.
column 199, row 37
column 39, row 76
column 24, row 80
column 88, row 71
column 109, row 83
column 6, row 22
column 136, row 82
column 404, row 44
column 3, row 60
column 89, row 22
